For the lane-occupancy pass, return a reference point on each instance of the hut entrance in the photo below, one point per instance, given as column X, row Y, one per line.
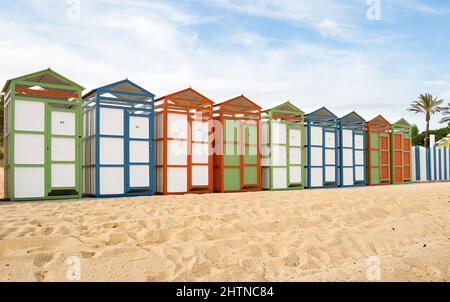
column 379, row 153
column 282, row 148
column 401, row 152
column 237, row 156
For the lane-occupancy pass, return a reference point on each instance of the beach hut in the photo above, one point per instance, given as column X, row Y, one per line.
column 237, row 156
column 321, row 149
column 282, row 134
column 401, row 152
column 183, row 143
column 352, row 150
column 42, row 136
column 118, row 141
column 378, row 151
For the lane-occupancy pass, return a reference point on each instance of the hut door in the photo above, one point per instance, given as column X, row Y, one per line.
column 330, row 156
column 348, row 163
column 316, row 157
column 249, row 166
column 407, row 158
column 279, row 155
column 360, row 161
column 384, row 158
column 295, row 155
column 199, row 159
column 29, row 149
column 138, row 159
column 231, row 155
column 177, row 153
column 63, row 153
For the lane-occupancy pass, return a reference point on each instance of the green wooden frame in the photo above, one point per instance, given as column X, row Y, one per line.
column 293, row 118
column 403, row 128
column 73, row 104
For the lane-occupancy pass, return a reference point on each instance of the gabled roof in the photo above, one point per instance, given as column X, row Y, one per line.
column 188, row 94
column 47, row 76
column 240, row 101
column 352, row 116
column 324, row 112
column 379, row 119
column 402, row 122
column 287, row 107
column 126, row 86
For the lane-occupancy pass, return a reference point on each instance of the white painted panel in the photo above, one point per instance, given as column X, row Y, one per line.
column 139, row 176
column 29, row 149
column 330, row 140
column 177, row 126
column 111, row 121
column 266, row 178
column 295, row 175
column 63, row 176
column 200, row 175
column 265, row 151
column 159, row 129
column 265, row 161
column 347, row 138
column 29, row 182
column 264, row 133
column 330, row 157
column 295, row 156
column 347, row 155
column 177, row 180
column 348, row 177
column 295, row 138
column 139, row 127
column 316, row 136
column 316, row 177
column 159, row 180
column 359, row 157
column 279, row 155
column 359, row 175
column 200, row 153
column 139, row 152
column 159, row 153
column 177, row 152
column 63, row 123
column 29, row 116
column 112, row 181
column 111, row 151
column 63, row 149
column 359, row 141
column 92, row 123
column 278, row 133
column 200, row 131
column 279, row 178
column 330, row 174
column 85, row 124
column 316, row 156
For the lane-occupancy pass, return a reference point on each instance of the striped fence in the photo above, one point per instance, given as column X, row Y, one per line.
column 430, row 164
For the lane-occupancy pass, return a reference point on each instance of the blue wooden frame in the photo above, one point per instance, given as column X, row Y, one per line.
column 328, row 123
column 147, row 111
column 358, row 127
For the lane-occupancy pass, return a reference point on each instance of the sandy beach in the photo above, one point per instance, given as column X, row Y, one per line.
column 318, row 235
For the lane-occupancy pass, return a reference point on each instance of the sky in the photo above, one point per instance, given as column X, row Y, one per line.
column 371, row 56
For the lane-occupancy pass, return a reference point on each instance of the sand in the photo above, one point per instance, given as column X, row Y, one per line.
column 318, row 235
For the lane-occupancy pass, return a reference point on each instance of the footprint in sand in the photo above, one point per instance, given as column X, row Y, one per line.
column 87, row 255
column 42, row 259
column 116, row 239
column 40, row 276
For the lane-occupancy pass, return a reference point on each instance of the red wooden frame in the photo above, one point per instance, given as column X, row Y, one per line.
column 381, row 126
column 164, row 106
column 57, row 94
column 249, row 114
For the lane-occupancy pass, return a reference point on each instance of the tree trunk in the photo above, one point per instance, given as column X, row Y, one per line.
column 427, row 133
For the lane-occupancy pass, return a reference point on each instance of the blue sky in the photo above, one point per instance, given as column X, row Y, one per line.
column 311, row 52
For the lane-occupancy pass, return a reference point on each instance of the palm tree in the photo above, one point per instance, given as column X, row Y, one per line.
column 428, row 105
column 446, row 112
